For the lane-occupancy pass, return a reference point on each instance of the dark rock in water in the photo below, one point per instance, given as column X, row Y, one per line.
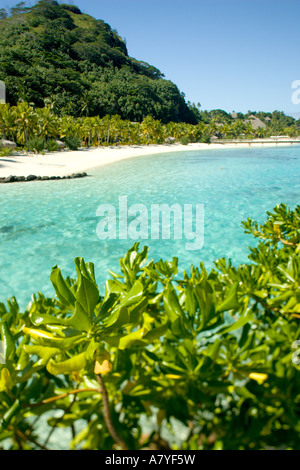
column 77, row 175
column 13, row 179
column 6, row 229
column 9, row 179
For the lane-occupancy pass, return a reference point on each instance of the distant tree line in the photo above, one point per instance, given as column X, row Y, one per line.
column 37, row 129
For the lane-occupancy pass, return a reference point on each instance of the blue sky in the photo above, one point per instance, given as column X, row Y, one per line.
column 237, row 55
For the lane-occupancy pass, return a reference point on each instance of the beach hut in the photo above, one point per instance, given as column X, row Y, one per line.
column 255, row 122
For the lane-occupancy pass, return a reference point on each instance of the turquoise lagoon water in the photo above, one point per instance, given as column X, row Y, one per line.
column 47, row 223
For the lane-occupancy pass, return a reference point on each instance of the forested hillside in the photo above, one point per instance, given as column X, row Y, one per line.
column 54, row 53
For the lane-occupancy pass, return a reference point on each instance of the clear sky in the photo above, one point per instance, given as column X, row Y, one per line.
column 237, row 55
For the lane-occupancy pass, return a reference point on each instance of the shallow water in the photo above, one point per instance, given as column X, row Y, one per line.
column 47, row 223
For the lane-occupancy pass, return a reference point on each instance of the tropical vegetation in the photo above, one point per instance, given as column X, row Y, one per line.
column 216, row 352
column 69, row 76
column 81, row 65
column 39, row 128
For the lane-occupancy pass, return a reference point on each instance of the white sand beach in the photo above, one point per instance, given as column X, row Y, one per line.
column 66, row 162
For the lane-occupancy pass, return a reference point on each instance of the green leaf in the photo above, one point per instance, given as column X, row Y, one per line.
column 237, row 324
column 6, row 382
column 121, row 314
column 134, row 296
column 38, row 319
column 113, row 287
column 8, row 341
column 128, row 341
column 107, row 306
column 79, row 320
column 43, row 352
column 205, row 297
column 171, row 304
column 10, row 413
column 156, row 333
column 136, row 312
column 73, row 364
column 119, row 317
column 132, row 339
column 87, row 292
column 230, row 301
column 45, row 338
column 23, row 361
column 63, row 292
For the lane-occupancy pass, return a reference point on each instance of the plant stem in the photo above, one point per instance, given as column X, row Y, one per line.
column 107, row 414
column 59, row 420
column 59, row 397
column 285, row 242
column 26, row 438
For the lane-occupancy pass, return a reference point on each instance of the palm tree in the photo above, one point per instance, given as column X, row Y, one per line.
column 212, row 128
column 7, row 121
column 225, row 130
column 260, row 132
column 86, row 103
column 26, row 122
column 249, row 131
column 147, row 127
column 68, row 127
column 47, row 123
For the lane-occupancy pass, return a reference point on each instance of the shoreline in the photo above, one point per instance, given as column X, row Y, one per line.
column 66, row 162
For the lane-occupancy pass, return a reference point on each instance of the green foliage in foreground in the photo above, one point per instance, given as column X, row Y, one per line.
column 215, row 351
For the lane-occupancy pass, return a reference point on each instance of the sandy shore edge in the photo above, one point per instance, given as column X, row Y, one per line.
column 69, row 162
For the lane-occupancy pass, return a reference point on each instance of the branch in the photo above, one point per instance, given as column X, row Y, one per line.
column 59, row 397
column 273, row 309
column 107, row 414
column 59, row 420
column 26, row 438
column 295, row 315
column 285, row 242
column 264, row 304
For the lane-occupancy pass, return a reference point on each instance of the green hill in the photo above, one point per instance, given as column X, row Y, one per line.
column 54, row 52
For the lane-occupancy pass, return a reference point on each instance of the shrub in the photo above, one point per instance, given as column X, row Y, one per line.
column 214, row 351
column 73, row 142
column 36, row 144
column 205, row 139
column 6, row 152
column 51, row 145
column 184, row 140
